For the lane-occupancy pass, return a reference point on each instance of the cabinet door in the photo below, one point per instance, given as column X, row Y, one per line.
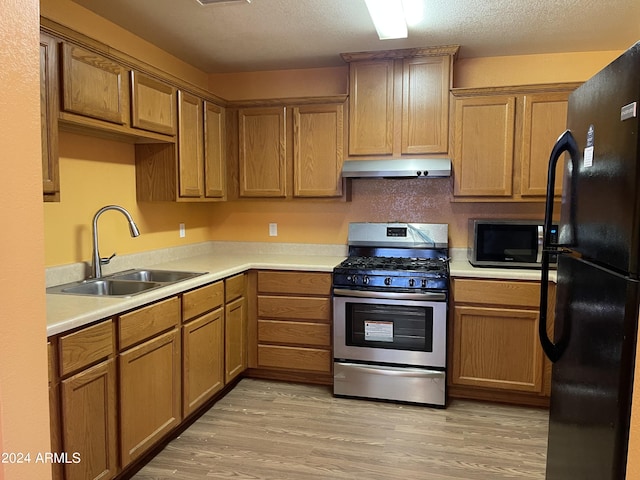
column 371, row 107
column 214, row 151
column 544, row 120
column 203, row 359
column 497, row 348
column 235, row 338
column 49, row 116
column 153, row 104
column 425, row 105
column 150, row 394
column 484, row 146
column 89, row 419
column 318, row 132
column 190, row 145
column 262, row 152
column 93, row 85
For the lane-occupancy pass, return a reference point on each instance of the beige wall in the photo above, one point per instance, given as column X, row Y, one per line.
column 24, row 417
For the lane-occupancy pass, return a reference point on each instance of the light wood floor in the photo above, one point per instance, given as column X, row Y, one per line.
column 274, row 430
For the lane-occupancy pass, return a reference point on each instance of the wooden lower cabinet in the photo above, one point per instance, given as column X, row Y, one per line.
column 495, row 351
column 121, row 385
column 235, row 334
column 150, row 393
column 83, row 389
column 203, row 345
column 293, row 325
column 90, row 432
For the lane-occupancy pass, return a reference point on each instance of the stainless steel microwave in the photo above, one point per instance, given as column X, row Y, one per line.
column 507, row 243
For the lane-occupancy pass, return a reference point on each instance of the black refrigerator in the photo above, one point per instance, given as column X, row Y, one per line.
column 593, row 347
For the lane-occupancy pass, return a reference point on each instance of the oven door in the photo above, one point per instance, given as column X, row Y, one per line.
column 391, row 328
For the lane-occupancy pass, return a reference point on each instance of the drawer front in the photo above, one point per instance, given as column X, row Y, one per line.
column 296, row 308
column 196, row 302
column 148, row 321
column 234, row 287
column 294, row 358
column 86, row 346
column 521, row 294
column 294, row 333
column 300, row 283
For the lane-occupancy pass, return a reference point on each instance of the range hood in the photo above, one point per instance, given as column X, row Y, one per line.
column 397, row 168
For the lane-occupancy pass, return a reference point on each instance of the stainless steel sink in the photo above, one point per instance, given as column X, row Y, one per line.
column 114, row 288
column 162, row 276
column 124, row 284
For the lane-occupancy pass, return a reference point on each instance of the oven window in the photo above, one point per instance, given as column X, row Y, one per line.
column 389, row 326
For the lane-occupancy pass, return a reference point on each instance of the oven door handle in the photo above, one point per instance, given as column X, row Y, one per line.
column 434, row 296
column 396, row 371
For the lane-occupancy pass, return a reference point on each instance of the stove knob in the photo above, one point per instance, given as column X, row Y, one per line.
column 424, row 283
column 365, row 280
column 387, row 281
column 412, row 282
column 354, row 279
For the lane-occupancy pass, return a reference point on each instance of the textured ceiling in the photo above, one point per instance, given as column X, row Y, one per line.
column 283, row 34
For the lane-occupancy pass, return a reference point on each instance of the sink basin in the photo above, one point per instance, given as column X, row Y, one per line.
column 114, row 288
column 124, row 284
column 161, row 276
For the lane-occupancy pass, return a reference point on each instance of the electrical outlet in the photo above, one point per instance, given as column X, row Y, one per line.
column 273, row 229
column 182, row 231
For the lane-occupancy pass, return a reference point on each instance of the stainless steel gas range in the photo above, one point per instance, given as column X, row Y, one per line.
column 390, row 313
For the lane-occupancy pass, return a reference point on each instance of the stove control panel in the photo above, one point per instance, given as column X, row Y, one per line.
column 437, row 281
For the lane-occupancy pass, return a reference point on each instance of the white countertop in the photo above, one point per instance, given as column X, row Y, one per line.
column 66, row 312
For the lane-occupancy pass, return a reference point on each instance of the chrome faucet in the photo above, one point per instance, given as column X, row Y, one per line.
column 97, row 260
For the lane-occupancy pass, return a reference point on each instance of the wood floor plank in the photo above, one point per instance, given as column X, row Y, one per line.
column 266, row 430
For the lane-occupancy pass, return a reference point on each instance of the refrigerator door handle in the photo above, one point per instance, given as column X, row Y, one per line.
column 565, row 143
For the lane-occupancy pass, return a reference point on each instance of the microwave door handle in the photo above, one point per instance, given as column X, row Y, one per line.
column 565, row 143
column 540, row 243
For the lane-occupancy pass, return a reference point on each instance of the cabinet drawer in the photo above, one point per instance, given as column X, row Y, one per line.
column 302, row 283
column 294, row 358
column 522, row 294
column 297, row 308
column 300, row 333
column 86, row 346
column 148, row 321
column 196, row 302
column 234, row 287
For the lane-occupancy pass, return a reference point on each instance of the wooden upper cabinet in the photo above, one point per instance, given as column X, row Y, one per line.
column 199, row 171
column 483, row 144
column 371, row 108
column 399, row 101
column 190, row 145
column 502, row 139
column 544, row 119
column 318, row 132
column 214, row 151
column 49, row 104
column 262, row 152
column 153, row 104
column 93, row 85
column 425, row 104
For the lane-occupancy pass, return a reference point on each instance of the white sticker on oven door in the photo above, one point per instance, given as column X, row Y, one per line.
column 378, row 331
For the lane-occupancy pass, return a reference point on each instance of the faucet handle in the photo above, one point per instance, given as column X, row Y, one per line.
column 106, row 260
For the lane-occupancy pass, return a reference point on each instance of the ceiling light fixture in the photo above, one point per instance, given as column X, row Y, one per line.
column 388, row 18
column 218, row 2
column 391, row 17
